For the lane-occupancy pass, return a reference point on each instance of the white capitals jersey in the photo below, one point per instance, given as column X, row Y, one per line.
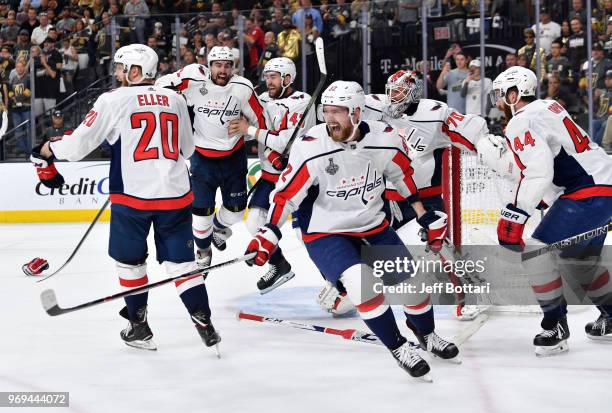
column 150, row 135
column 338, row 187
column 555, row 155
column 215, row 106
column 432, row 128
column 282, row 116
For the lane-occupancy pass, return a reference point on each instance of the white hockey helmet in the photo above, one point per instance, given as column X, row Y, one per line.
column 408, row 88
column 346, row 94
column 137, row 55
column 220, row 53
column 521, row 78
column 284, row 66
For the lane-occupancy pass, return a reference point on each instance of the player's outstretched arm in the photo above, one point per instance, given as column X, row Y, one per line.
column 95, row 128
column 535, row 160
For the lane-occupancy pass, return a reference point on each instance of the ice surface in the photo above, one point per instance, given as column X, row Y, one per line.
column 263, row 368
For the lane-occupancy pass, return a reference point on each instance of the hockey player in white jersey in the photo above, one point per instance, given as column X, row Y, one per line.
column 284, row 107
column 215, row 98
column 335, row 177
column 150, row 137
column 428, row 127
column 553, row 153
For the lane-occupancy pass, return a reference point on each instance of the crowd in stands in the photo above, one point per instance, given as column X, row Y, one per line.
column 70, row 42
column 563, row 66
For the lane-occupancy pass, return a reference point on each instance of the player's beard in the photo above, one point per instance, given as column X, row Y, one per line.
column 339, row 133
column 220, row 81
column 507, row 112
column 274, row 92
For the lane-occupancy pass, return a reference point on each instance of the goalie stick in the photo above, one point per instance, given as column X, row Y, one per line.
column 356, row 335
column 76, row 249
column 320, row 52
column 49, row 300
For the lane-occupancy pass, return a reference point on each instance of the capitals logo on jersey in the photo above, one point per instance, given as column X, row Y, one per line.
column 363, row 185
column 225, row 113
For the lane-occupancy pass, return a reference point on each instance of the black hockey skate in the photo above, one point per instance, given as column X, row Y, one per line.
column 436, row 345
column 220, row 236
column 137, row 334
column 206, row 330
column 276, row 276
column 552, row 340
column 409, row 359
column 601, row 329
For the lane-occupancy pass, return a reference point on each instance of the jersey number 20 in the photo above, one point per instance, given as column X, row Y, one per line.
column 168, row 126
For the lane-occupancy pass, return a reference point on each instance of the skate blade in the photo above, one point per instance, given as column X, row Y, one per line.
column 425, row 378
column 455, row 360
column 278, row 283
column 217, row 351
column 142, row 344
column 601, row 339
column 550, row 351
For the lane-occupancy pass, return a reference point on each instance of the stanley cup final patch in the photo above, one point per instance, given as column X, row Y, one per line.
column 332, row 168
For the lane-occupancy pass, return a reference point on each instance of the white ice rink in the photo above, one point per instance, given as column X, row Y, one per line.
column 263, row 368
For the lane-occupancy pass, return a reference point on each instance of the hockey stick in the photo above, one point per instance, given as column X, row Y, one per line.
column 568, row 242
column 76, row 249
column 320, row 52
column 49, row 300
column 356, row 335
column 481, row 238
column 348, row 334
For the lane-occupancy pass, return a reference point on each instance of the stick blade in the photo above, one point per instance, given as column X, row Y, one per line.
column 470, row 329
column 319, row 49
column 49, row 303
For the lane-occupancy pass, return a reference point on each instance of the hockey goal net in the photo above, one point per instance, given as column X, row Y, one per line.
column 474, row 196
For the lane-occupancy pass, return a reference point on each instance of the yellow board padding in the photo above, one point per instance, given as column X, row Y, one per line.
column 68, row 215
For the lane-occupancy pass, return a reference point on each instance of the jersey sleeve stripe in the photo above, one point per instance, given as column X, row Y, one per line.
column 456, row 137
column 258, row 109
column 401, row 160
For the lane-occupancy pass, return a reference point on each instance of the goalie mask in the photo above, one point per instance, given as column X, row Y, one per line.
column 402, row 89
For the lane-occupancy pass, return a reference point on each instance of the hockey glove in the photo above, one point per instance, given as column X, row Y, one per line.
column 264, row 243
column 511, row 226
column 45, row 169
column 275, row 159
column 434, row 222
column 35, row 267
